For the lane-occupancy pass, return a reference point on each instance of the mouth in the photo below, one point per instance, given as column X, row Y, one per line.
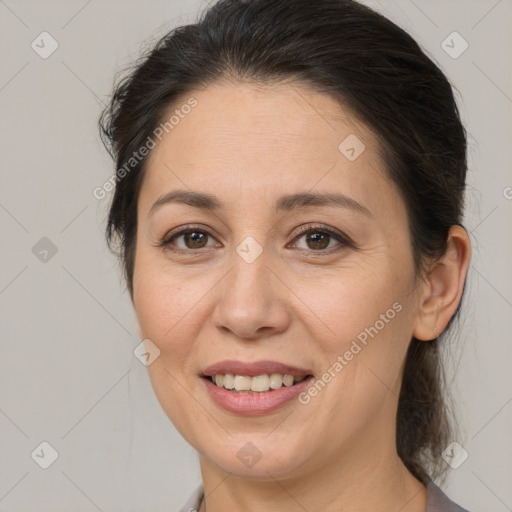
column 254, row 388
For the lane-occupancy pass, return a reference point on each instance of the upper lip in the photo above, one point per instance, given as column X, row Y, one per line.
column 252, row 369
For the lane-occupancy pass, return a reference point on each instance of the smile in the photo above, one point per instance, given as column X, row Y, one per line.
column 253, row 388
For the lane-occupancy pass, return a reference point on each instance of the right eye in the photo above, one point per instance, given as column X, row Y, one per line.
column 192, row 239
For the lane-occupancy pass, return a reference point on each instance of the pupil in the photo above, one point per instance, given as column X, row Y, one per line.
column 195, row 237
column 318, row 238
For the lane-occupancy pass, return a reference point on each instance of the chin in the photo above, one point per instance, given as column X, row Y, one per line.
column 256, row 456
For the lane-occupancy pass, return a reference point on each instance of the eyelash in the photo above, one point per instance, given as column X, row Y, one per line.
column 344, row 241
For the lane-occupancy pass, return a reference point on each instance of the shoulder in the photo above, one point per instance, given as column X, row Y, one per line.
column 437, row 501
column 194, row 500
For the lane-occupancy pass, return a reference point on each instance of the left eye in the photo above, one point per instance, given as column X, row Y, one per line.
column 318, row 239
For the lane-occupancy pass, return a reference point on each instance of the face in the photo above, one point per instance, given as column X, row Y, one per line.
column 258, row 279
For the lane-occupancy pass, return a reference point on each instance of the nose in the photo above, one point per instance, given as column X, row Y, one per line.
column 253, row 301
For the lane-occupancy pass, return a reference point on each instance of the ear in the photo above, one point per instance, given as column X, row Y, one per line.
column 442, row 290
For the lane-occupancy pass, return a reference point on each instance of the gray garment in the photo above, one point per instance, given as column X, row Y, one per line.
column 437, row 501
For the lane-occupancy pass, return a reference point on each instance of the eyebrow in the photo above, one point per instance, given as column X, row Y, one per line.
column 285, row 203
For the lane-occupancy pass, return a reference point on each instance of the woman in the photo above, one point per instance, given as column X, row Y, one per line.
column 288, row 209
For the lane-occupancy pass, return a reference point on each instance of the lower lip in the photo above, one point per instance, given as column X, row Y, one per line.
column 254, row 404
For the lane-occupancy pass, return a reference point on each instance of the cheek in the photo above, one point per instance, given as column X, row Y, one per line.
column 165, row 301
column 356, row 303
column 172, row 306
column 369, row 316
column 167, row 308
column 167, row 316
column 361, row 373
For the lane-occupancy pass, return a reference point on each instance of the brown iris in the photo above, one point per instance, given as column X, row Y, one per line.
column 196, row 238
column 319, row 240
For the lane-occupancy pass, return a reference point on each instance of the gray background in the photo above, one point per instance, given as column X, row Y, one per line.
column 68, row 375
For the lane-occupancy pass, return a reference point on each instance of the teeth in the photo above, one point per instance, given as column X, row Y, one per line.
column 242, row 383
column 258, row 384
column 228, row 381
column 276, row 380
column 287, row 380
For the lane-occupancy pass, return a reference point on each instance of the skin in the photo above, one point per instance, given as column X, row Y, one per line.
column 296, row 303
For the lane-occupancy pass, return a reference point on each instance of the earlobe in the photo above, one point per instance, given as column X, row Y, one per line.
column 427, row 325
column 443, row 286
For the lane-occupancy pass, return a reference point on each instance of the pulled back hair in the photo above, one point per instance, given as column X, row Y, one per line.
column 371, row 66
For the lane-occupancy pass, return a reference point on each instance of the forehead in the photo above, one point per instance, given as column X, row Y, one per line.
column 247, row 118
column 246, row 140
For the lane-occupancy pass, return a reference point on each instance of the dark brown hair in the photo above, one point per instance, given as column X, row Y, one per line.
column 371, row 66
